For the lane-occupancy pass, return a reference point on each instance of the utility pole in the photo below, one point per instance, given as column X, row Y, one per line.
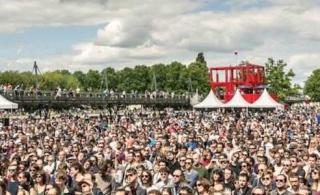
column 36, row 71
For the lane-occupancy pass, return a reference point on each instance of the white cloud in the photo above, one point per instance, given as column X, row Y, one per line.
column 303, row 65
column 167, row 30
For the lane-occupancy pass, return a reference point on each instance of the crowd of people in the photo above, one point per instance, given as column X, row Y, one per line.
column 170, row 152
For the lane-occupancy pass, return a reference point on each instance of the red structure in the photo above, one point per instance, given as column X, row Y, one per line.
column 249, row 78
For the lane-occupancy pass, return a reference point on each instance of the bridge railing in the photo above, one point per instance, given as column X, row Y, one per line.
column 94, row 97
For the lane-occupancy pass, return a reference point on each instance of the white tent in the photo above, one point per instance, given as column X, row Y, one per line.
column 6, row 104
column 237, row 101
column 211, row 101
column 266, row 101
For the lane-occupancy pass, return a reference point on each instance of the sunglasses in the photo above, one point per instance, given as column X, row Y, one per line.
column 257, row 193
column 279, row 180
column 199, row 184
column 176, row 175
column 145, row 176
column 266, row 178
column 129, row 175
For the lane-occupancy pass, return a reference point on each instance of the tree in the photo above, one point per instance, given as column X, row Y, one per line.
column 160, row 71
column 278, row 80
column 200, row 59
column 198, row 74
column 312, row 84
column 81, row 77
column 109, row 77
column 176, row 77
column 93, row 80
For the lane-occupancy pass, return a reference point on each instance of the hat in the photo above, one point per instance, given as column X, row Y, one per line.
column 87, row 181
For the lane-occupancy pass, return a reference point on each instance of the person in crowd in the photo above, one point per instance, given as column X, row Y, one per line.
column 281, row 186
column 150, row 151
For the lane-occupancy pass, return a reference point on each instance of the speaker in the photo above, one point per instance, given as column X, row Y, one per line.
column 6, row 122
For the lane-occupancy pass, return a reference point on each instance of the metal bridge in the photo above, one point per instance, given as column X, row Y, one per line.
column 49, row 99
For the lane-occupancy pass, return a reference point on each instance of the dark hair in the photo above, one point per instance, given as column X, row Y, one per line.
column 244, row 175
column 167, row 189
column 188, row 189
column 154, row 192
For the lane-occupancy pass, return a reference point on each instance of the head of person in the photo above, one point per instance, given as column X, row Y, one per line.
column 266, row 179
column 166, row 191
column 185, row 191
column 315, row 174
column 182, row 161
column 154, row 192
column 202, row 185
column 294, row 181
column 178, row 176
column 164, row 173
column 23, row 178
column 218, row 189
column 228, row 174
column 258, row 191
column 121, row 191
column 12, row 171
column 61, row 178
column 75, row 169
column 217, row 176
column 281, row 181
column 146, row 178
column 312, row 161
column 286, row 163
column 86, row 186
column 243, row 180
column 189, row 163
column 41, row 177
column 131, row 176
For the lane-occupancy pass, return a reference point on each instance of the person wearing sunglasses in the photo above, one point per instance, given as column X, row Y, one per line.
column 202, row 186
column 266, row 182
column 165, row 179
column 131, row 179
column 179, row 181
column 146, row 180
column 281, row 184
column 315, row 179
column 190, row 174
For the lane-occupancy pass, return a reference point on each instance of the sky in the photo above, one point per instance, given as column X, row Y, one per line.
column 95, row 34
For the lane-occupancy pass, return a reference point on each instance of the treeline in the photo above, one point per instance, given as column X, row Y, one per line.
column 167, row 77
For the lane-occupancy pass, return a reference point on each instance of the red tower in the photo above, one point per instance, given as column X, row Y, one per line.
column 249, row 78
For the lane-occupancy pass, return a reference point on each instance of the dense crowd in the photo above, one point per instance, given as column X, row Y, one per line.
column 163, row 153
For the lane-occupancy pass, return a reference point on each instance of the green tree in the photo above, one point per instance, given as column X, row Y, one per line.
column 54, row 79
column 278, row 80
column 93, row 80
column 311, row 87
column 200, row 59
column 110, row 77
column 198, row 74
column 81, row 77
column 160, row 71
column 176, row 77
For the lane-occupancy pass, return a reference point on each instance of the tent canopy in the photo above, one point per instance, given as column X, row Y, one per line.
column 6, row 104
column 211, row 101
column 237, row 101
column 266, row 101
